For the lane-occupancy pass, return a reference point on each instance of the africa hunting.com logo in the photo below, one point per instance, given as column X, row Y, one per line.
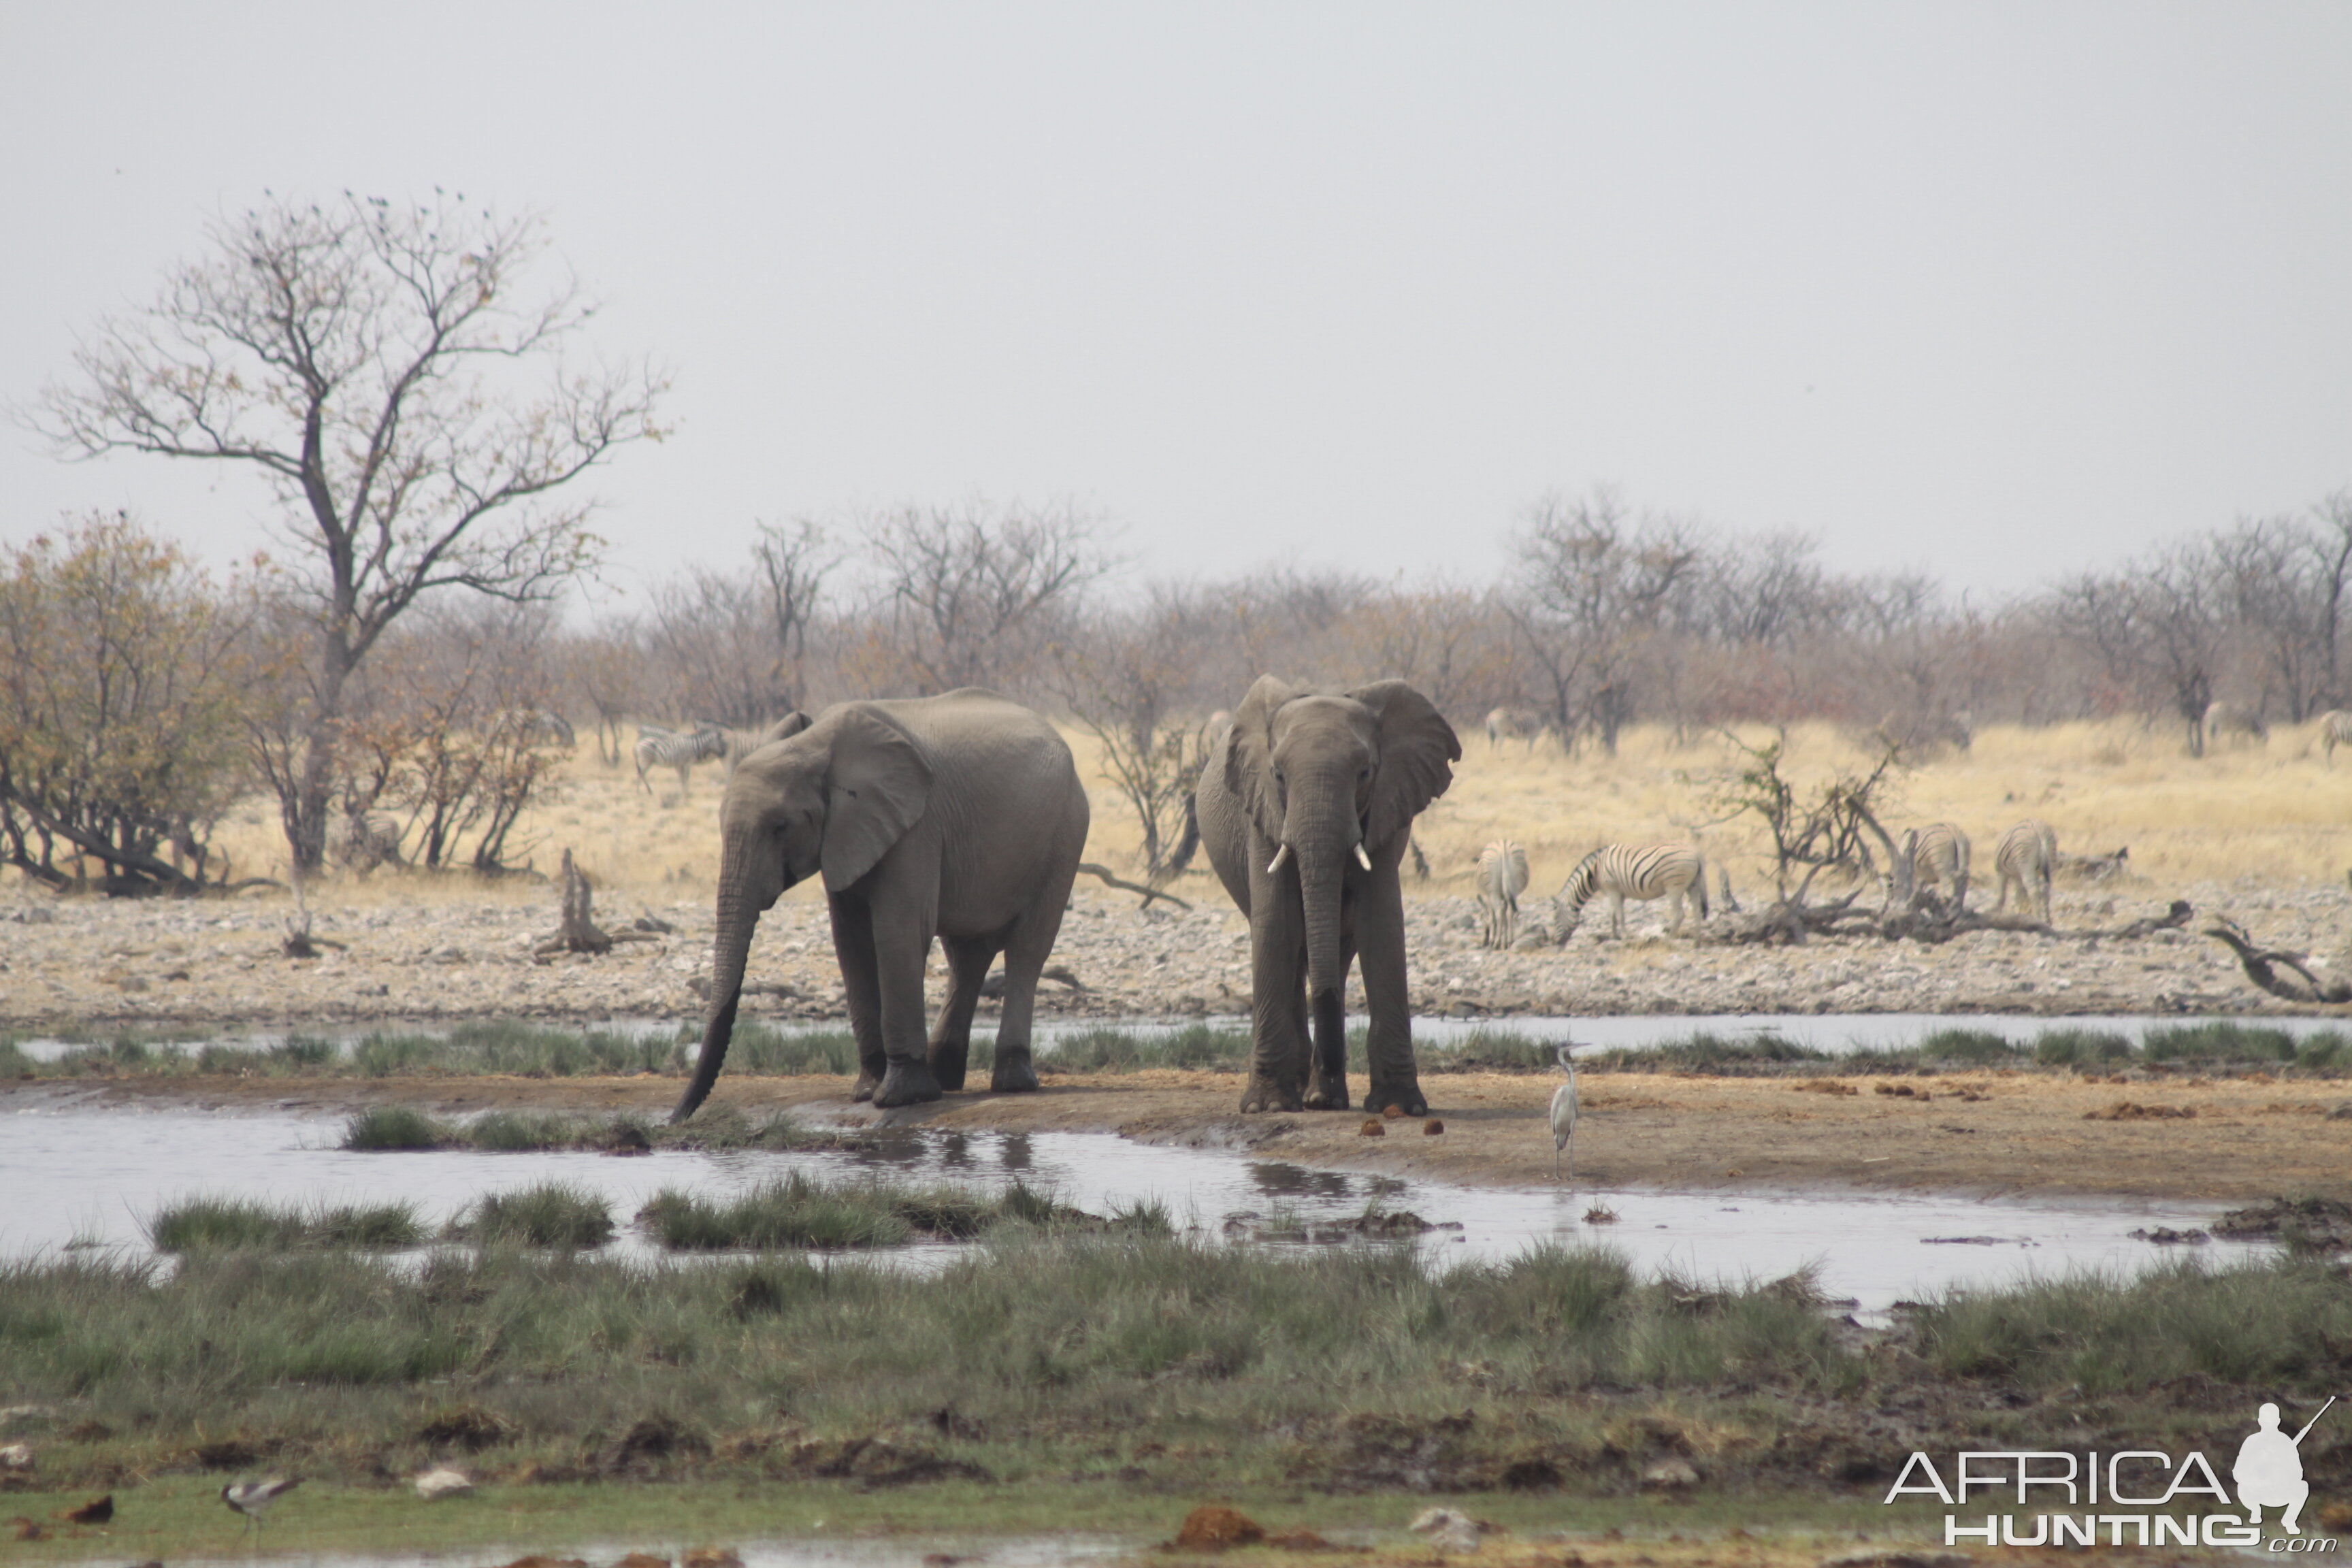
column 2268, row 1473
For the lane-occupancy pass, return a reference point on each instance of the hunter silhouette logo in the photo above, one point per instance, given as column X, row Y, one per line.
column 2269, row 1471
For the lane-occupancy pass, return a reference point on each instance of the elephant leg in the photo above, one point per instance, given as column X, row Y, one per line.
column 1327, row 1046
column 951, row 1047
column 1395, row 1076
column 852, row 944
column 1029, row 943
column 904, row 923
column 1277, row 1008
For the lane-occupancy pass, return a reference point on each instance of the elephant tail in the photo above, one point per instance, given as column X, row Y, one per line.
column 1182, row 859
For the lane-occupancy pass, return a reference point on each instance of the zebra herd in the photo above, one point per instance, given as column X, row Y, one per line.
column 1934, row 858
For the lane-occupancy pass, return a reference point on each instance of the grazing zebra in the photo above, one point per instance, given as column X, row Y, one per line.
column 2027, row 856
column 1514, row 724
column 1502, row 877
column 1622, row 871
column 2335, row 730
column 659, row 748
column 538, row 726
column 2225, row 718
column 362, row 840
column 1934, row 856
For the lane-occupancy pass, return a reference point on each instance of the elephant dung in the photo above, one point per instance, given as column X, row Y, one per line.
column 1374, row 1128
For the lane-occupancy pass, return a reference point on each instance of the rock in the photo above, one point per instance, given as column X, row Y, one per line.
column 1669, row 1474
column 442, row 1481
column 1214, row 1528
column 16, row 1457
column 1450, row 1529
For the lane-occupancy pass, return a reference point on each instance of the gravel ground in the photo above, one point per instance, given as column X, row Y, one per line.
column 446, row 955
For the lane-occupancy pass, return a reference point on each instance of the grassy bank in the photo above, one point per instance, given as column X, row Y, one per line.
column 538, row 1050
column 1045, row 1354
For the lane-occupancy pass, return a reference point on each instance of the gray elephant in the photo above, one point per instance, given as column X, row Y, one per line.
column 958, row 816
column 1305, row 807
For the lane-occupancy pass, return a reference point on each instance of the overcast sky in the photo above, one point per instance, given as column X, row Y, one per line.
column 1990, row 290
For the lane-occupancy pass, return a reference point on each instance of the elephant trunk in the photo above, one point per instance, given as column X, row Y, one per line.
column 1322, row 874
column 739, row 913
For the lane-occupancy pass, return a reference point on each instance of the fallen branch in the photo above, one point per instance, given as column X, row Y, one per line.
column 2261, row 966
column 1791, row 919
column 1091, row 870
column 577, row 933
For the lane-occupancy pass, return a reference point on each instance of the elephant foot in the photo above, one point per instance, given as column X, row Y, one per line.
column 1407, row 1095
column 947, row 1063
column 1264, row 1095
column 1015, row 1073
column 863, row 1089
column 1328, row 1095
column 906, row 1083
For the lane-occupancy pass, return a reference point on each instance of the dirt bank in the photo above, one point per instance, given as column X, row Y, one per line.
column 456, row 956
column 2008, row 1133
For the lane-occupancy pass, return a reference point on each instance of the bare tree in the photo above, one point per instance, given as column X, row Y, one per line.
column 971, row 597
column 795, row 562
column 1593, row 586
column 366, row 359
column 1131, row 679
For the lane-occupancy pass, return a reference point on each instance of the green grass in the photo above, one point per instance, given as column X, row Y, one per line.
column 201, row 1223
column 797, row 1210
column 386, row 1128
column 545, row 1214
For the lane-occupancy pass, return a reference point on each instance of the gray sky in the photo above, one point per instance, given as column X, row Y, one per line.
column 1990, row 290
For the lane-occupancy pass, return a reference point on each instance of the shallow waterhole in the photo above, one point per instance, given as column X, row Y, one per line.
column 86, row 1176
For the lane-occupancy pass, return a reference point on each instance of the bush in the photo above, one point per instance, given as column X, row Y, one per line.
column 391, row 1127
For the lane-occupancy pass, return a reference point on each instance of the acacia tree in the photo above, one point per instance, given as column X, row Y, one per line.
column 971, row 599
column 1129, row 679
column 371, row 362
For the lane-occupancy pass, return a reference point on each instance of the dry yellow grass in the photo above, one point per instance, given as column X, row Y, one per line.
column 2273, row 813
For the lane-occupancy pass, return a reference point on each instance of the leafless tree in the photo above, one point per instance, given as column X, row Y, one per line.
column 1592, row 586
column 1129, row 678
column 970, row 596
column 793, row 560
column 368, row 360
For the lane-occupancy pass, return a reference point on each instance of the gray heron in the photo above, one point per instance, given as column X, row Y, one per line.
column 1563, row 1115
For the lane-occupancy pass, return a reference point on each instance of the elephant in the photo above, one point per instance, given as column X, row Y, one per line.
column 959, row 816
column 1306, row 807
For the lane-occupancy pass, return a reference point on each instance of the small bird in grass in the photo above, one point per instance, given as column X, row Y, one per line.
column 252, row 1499
column 1563, row 1115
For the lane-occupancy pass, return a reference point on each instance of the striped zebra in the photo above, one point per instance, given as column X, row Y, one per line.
column 2225, row 718
column 738, row 744
column 660, row 748
column 1502, row 877
column 1934, row 855
column 1514, row 724
column 362, row 840
column 2335, row 730
column 1621, row 871
column 2027, row 856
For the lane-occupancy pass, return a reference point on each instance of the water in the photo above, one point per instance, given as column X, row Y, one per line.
column 87, row 1176
column 1836, row 1032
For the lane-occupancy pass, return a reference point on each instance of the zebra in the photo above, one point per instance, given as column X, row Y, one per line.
column 2027, row 856
column 738, row 744
column 362, row 840
column 1514, row 724
column 1502, row 877
column 1622, row 871
column 2226, row 718
column 2335, row 730
column 660, row 748
column 1934, row 856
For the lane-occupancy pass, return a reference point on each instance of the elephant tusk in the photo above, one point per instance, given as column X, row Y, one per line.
column 1363, row 860
column 1279, row 857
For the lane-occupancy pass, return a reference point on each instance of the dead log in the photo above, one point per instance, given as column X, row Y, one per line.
column 1791, row 920
column 577, row 931
column 1091, row 870
column 2261, row 966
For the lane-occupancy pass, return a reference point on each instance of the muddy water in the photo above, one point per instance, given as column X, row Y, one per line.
column 87, row 1177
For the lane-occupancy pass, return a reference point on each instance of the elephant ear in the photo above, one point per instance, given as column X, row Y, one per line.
column 785, row 728
column 878, row 785
column 1418, row 749
column 1249, row 754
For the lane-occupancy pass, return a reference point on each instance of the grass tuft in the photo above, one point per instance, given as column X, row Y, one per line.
column 546, row 1213
column 234, row 1224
